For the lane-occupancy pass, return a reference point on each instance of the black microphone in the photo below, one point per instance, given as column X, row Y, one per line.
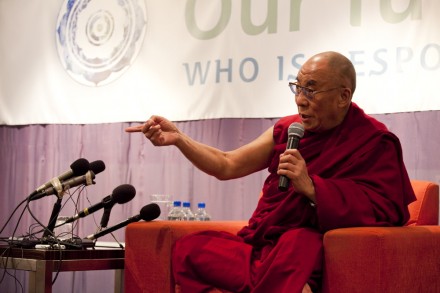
column 97, row 166
column 130, row 192
column 121, row 194
column 149, row 212
column 105, row 217
column 86, row 179
column 295, row 132
column 59, row 189
column 77, row 168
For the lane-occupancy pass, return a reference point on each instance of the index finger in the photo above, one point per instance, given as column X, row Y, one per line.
column 293, row 152
column 137, row 128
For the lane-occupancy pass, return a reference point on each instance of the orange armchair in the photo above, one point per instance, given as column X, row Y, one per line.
column 364, row 259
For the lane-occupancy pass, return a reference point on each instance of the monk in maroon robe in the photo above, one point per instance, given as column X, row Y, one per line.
column 347, row 171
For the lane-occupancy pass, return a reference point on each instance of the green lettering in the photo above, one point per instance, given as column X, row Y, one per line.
column 414, row 10
column 355, row 12
column 270, row 23
column 196, row 32
column 295, row 6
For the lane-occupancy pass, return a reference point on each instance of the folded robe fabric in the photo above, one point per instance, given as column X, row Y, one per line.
column 359, row 177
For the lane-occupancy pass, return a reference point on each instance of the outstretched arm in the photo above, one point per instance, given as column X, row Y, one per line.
column 240, row 162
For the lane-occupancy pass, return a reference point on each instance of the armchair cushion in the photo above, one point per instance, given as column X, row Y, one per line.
column 148, row 251
column 386, row 259
column 424, row 211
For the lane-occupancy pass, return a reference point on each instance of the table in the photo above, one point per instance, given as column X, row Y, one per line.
column 41, row 264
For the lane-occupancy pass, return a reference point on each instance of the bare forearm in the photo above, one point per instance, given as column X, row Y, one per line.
column 239, row 162
column 206, row 158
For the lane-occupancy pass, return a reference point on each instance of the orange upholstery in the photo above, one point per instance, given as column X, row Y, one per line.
column 424, row 211
column 394, row 259
column 148, row 251
column 365, row 259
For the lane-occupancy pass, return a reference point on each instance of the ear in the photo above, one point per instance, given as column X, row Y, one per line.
column 345, row 98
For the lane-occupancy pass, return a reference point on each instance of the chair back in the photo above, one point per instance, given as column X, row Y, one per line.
column 424, row 211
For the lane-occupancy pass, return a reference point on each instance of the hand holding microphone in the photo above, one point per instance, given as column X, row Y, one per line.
column 294, row 133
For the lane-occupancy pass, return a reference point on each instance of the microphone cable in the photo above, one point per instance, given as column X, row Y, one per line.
column 13, row 212
column 78, row 190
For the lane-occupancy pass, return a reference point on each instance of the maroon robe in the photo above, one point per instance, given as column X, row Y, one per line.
column 360, row 180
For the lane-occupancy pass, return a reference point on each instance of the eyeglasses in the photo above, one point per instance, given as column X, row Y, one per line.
column 308, row 93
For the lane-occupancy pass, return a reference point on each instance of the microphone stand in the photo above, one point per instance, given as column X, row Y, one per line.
column 53, row 217
column 48, row 232
column 58, row 187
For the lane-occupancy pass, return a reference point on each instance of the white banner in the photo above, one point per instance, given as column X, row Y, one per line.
column 101, row 61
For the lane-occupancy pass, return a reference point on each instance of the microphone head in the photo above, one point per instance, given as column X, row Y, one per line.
column 97, row 166
column 80, row 167
column 296, row 129
column 123, row 193
column 150, row 212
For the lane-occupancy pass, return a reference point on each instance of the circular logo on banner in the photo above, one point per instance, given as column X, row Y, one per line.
column 97, row 40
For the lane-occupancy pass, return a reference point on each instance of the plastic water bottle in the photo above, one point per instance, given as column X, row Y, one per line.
column 187, row 213
column 176, row 213
column 201, row 214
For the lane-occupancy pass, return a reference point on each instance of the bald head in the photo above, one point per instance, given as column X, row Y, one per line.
column 332, row 79
column 341, row 67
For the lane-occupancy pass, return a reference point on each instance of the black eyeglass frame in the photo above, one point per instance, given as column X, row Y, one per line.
column 308, row 92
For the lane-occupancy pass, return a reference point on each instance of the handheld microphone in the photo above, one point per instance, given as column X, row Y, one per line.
column 148, row 213
column 295, row 132
column 86, row 179
column 121, row 194
column 77, row 168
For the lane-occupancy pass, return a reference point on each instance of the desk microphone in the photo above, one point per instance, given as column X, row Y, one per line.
column 60, row 187
column 295, row 132
column 77, row 168
column 86, row 179
column 121, row 194
column 148, row 213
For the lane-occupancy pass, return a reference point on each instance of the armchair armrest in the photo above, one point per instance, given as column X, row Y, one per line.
column 382, row 259
column 148, row 251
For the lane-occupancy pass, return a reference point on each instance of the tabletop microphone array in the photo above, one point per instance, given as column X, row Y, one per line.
column 83, row 173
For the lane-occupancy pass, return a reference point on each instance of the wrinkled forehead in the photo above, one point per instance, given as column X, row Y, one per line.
column 315, row 72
